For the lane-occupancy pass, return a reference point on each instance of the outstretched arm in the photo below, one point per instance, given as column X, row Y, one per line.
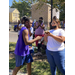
column 25, row 38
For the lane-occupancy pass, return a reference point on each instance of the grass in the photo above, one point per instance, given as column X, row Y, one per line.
column 12, row 46
column 38, row 67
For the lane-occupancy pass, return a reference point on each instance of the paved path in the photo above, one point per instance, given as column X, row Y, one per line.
column 19, row 73
column 13, row 36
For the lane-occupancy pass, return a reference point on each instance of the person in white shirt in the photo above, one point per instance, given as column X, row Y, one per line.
column 55, row 47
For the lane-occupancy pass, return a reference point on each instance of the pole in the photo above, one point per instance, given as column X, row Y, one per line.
column 51, row 9
column 51, row 12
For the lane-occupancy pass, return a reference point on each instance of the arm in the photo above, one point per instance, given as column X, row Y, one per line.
column 36, row 26
column 25, row 38
column 42, row 26
column 18, row 26
column 29, row 32
column 45, row 38
column 57, row 38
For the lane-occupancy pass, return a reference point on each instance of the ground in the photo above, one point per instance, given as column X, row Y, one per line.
column 40, row 65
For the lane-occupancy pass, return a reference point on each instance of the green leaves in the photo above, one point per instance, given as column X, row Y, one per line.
column 22, row 6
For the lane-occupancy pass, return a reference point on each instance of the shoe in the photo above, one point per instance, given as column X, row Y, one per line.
column 39, row 53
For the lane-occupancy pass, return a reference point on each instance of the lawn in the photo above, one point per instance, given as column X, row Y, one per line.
column 39, row 66
column 12, row 46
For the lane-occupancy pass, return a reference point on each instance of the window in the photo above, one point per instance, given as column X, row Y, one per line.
column 15, row 14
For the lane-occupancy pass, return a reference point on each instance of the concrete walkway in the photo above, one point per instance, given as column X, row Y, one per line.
column 19, row 73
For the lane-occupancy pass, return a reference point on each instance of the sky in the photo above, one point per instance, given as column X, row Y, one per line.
column 10, row 2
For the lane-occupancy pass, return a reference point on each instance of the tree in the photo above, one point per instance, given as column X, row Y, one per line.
column 60, row 4
column 22, row 6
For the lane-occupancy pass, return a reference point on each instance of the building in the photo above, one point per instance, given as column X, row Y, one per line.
column 44, row 11
column 56, row 12
column 13, row 15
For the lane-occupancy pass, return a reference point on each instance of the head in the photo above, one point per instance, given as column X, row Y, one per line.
column 18, row 22
column 30, row 23
column 55, row 23
column 23, row 20
column 27, row 23
column 40, row 20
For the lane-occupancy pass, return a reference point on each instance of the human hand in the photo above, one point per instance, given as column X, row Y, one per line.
column 47, row 33
column 39, row 24
column 39, row 37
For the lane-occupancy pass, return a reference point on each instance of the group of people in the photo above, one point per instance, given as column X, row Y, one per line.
column 53, row 38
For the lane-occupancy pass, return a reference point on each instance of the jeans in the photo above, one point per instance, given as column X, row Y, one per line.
column 56, row 58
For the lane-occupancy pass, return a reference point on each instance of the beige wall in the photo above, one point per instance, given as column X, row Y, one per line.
column 10, row 17
column 42, row 12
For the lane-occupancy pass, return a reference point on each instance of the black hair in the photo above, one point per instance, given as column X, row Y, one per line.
column 26, row 19
column 41, row 18
column 54, row 17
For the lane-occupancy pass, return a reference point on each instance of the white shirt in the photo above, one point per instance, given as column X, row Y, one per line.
column 52, row 44
column 31, row 37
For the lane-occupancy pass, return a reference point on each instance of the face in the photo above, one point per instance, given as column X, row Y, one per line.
column 40, row 19
column 54, row 24
column 27, row 24
column 30, row 23
column 22, row 21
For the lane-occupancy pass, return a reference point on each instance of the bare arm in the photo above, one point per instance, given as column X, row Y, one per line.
column 18, row 26
column 25, row 38
column 45, row 38
column 36, row 26
column 42, row 26
column 29, row 32
column 57, row 38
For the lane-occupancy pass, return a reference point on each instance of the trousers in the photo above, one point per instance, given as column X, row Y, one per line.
column 56, row 59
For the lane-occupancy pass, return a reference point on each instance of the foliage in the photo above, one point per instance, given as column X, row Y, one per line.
column 22, row 6
column 60, row 4
column 12, row 46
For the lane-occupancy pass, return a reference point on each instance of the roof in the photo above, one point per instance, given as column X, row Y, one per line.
column 12, row 9
column 38, row 2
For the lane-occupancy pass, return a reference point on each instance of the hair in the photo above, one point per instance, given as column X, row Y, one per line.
column 56, row 20
column 41, row 18
column 24, row 18
column 27, row 20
